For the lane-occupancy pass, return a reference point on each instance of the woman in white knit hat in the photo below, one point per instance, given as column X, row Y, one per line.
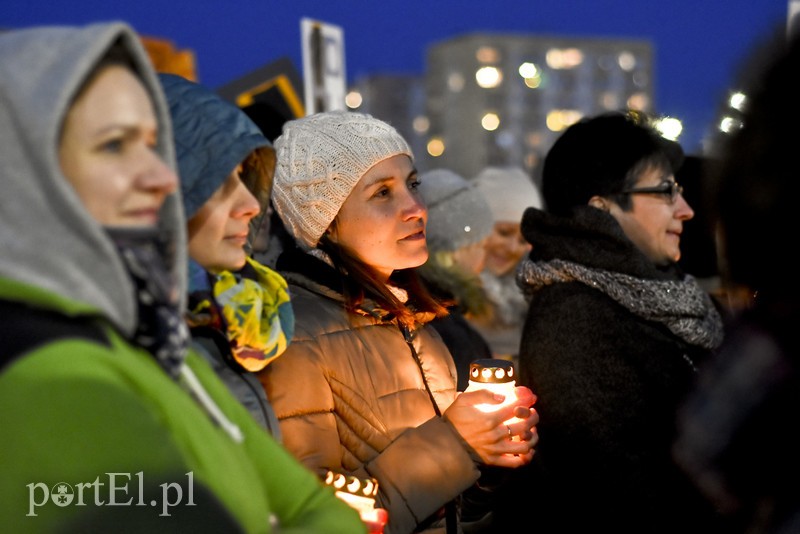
column 365, row 388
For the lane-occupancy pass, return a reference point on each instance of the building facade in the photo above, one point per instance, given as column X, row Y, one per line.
column 502, row 99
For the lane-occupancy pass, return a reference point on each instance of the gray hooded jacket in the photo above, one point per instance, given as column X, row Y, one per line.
column 48, row 239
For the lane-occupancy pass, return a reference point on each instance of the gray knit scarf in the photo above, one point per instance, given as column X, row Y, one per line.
column 681, row 305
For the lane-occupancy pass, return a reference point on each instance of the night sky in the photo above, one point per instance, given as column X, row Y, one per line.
column 699, row 44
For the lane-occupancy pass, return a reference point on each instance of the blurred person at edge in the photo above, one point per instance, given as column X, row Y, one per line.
column 614, row 335
column 379, row 386
column 238, row 310
column 100, row 400
column 459, row 223
column 735, row 436
column 509, row 191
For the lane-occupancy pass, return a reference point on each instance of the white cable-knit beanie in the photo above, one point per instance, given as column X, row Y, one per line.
column 509, row 191
column 320, row 159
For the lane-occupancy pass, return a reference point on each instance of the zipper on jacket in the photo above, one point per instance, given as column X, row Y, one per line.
column 450, row 509
column 409, row 338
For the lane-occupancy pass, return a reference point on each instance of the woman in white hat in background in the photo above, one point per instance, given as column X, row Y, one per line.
column 459, row 224
column 365, row 388
column 509, row 192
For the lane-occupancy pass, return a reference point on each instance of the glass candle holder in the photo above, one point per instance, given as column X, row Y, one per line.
column 360, row 495
column 498, row 376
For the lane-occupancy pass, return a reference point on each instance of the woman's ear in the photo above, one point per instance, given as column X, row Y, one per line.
column 599, row 203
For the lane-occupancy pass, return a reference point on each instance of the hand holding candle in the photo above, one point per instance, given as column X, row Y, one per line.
column 494, row 416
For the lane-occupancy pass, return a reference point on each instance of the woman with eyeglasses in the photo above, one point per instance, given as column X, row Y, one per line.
column 614, row 335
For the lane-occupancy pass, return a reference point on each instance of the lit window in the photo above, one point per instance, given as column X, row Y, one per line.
column 488, row 77
column 669, row 127
column 534, row 139
column 528, row 70
column 490, row 121
column 738, row 100
column 627, row 61
column 436, row 147
column 353, row 99
column 638, row 101
column 455, row 82
column 558, row 119
column 566, row 58
column 609, row 100
column 534, row 81
column 421, row 124
column 729, row 124
column 487, row 54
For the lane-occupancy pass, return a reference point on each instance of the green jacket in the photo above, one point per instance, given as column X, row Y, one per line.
column 74, row 410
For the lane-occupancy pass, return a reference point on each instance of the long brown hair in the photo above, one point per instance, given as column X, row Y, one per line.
column 360, row 282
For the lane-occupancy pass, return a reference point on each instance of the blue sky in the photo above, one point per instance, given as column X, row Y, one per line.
column 699, row 44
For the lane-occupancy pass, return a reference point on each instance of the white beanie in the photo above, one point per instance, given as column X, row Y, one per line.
column 320, row 159
column 509, row 192
column 458, row 215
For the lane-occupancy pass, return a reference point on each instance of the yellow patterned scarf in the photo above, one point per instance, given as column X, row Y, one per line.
column 252, row 306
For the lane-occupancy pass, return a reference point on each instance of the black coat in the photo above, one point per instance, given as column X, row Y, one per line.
column 462, row 293
column 609, row 384
column 735, row 431
column 464, row 343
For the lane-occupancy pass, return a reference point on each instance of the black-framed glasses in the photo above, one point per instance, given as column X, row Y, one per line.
column 669, row 189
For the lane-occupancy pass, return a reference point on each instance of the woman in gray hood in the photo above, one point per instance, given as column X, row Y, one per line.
column 103, row 408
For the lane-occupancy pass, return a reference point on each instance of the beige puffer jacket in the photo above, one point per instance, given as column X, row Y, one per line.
column 350, row 396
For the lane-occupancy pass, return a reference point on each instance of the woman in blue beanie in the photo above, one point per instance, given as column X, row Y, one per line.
column 239, row 310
